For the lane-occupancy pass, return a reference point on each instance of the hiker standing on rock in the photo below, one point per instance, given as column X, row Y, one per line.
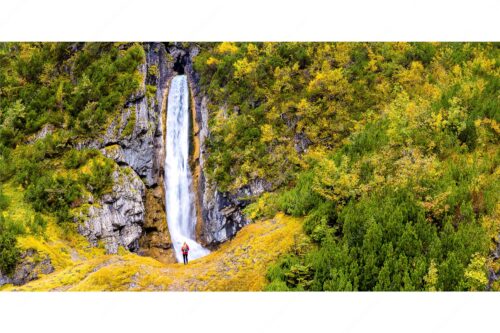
column 185, row 250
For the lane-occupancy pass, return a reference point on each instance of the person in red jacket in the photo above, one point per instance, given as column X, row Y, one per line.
column 185, row 251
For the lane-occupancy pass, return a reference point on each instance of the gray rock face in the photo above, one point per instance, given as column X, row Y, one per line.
column 135, row 139
column 119, row 215
column 31, row 264
column 222, row 212
column 302, row 142
column 42, row 133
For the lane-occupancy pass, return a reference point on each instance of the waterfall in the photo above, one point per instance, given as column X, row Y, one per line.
column 181, row 210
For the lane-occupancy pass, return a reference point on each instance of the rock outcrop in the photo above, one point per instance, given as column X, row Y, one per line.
column 29, row 268
column 492, row 275
column 222, row 211
column 42, row 133
column 117, row 218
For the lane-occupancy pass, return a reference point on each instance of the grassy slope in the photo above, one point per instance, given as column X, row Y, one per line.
column 239, row 264
column 64, row 246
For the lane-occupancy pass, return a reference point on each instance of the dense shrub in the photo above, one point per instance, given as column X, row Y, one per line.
column 37, row 225
column 53, row 194
column 4, row 201
column 388, row 150
column 74, row 159
column 99, row 180
column 9, row 251
column 77, row 84
column 301, row 199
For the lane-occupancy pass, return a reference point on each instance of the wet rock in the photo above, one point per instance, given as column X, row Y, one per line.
column 155, row 241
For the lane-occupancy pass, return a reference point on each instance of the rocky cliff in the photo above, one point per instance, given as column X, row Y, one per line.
column 134, row 140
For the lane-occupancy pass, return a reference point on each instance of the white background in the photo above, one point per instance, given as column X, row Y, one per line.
column 215, row 20
column 249, row 312
column 283, row 20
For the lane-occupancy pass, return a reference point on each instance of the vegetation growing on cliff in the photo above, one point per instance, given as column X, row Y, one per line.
column 389, row 151
column 51, row 96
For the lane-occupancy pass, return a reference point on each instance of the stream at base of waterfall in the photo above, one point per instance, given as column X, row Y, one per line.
column 181, row 210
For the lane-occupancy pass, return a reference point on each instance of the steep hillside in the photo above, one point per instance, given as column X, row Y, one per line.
column 389, row 150
column 386, row 156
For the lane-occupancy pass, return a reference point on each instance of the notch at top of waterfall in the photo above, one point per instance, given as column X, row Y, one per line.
column 180, row 199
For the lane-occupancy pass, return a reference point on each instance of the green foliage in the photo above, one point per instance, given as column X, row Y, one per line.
column 79, row 87
column 129, row 127
column 301, row 198
column 9, row 252
column 77, row 84
column 99, row 181
column 74, row 159
column 37, row 225
column 150, row 91
column 266, row 206
column 431, row 278
column 4, row 201
column 6, row 169
column 74, row 89
column 476, row 274
column 54, row 194
column 299, row 277
column 386, row 243
column 268, row 99
column 14, row 121
column 277, row 273
column 388, row 150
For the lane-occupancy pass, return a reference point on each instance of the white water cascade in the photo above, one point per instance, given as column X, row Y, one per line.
column 181, row 210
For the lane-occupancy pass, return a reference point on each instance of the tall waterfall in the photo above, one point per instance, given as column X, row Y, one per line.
column 181, row 210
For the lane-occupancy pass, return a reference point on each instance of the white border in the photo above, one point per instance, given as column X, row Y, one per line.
column 249, row 312
column 255, row 20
